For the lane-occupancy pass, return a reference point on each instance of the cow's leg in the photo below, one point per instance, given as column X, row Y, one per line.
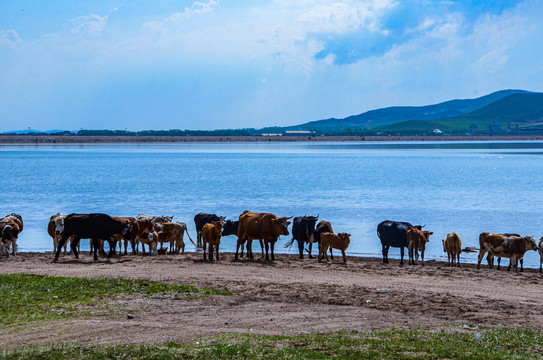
column 217, row 251
column 422, row 257
column 319, row 257
column 237, row 249
column 73, row 245
column 510, row 263
column 61, row 243
column 324, row 251
column 480, row 258
column 204, row 250
column 112, row 248
column 310, row 250
column 301, row 248
column 499, row 261
column 272, row 247
column 401, row 255
column 522, row 265
column 344, row 257
column 385, row 254
column 458, row 259
column 267, row 245
column 96, row 245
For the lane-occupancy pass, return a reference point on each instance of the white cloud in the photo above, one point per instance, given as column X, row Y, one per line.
column 88, row 25
column 9, row 38
column 197, row 8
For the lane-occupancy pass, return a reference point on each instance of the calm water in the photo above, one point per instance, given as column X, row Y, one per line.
column 466, row 187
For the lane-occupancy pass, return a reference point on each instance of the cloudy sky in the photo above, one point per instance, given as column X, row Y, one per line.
column 229, row 64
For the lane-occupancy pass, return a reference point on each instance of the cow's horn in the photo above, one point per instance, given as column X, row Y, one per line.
column 290, row 217
column 423, row 226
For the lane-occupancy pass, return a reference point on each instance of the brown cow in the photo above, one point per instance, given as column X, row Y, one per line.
column 452, row 245
column 211, row 235
column 55, row 227
column 171, row 232
column 512, row 247
column 13, row 225
column 416, row 241
column 261, row 226
column 142, row 229
column 340, row 241
column 119, row 239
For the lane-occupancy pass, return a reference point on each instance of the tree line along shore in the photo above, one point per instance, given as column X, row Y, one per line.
column 109, row 139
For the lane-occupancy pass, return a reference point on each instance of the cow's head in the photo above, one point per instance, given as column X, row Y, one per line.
column 59, row 225
column 229, row 228
column 167, row 218
column 9, row 233
column 344, row 236
column 282, row 223
column 444, row 249
column 218, row 226
column 530, row 243
column 126, row 231
column 427, row 235
column 222, row 218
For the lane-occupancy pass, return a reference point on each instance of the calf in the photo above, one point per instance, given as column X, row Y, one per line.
column 322, row 227
column 15, row 223
column 512, row 247
column 452, row 245
column 416, row 241
column 340, row 241
column 211, row 235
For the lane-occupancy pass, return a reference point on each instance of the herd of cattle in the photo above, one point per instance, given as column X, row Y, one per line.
column 265, row 227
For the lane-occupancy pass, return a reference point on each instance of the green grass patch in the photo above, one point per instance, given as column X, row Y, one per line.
column 26, row 298
column 392, row 344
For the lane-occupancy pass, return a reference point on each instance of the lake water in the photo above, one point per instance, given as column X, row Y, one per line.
column 466, row 187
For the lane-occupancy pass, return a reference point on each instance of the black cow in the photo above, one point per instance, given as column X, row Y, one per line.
column 200, row 220
column 230, row 228
column 95, row 227
column 394, row 234
column 303, row 229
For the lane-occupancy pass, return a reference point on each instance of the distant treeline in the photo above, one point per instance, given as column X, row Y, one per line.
column 172, row 132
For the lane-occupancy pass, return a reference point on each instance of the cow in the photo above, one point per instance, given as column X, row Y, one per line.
column 416, row 241
column 118, row 238
column 394, row 234
column 141, row 231
column 540, row 249
column 211, row 235
column 8, row 236
column 200, row 220
column 155, row 219
column 340, row 241
column 172, row 232
column 452, row 245
column 303, row 229
column 512, row 247
column 322, row 227
column 95, row 227
column 16, row 223
column 262, row 226
column 55, row 227
column 490, row 258
column 230, row 228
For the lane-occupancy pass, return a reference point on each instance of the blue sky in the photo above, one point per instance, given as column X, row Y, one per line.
column 232, row 64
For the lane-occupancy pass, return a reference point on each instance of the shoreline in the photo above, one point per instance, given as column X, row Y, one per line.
column 82, row 139
column 287, row 296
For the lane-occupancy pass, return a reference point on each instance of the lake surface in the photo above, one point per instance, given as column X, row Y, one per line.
column 466, row 187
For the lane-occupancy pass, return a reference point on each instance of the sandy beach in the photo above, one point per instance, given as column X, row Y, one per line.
column 288, row 296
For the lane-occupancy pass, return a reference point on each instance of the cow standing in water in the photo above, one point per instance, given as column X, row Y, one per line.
column 394, row 234
column 95, row 227
column 303, row 229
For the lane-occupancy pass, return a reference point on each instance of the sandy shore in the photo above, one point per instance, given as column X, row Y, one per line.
column 60, row 139
column 286, row 296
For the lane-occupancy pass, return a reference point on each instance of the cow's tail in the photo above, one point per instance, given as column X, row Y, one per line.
column 189, row 237
column 289, row 244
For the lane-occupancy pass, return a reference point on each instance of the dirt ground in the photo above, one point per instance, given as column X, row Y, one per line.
column 287, row 296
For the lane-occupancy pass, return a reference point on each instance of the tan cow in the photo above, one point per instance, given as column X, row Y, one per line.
column 211, row 235
column 512, row 247
column 452, row 245
column 340, row 241
column 260, row 226
column 416, row 241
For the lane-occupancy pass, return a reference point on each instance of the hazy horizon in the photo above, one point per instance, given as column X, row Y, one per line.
column 214, row 65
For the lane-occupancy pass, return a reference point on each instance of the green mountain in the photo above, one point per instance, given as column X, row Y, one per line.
column 514, row 111
column 390, row 115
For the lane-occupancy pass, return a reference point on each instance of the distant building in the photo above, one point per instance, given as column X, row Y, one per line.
column 272, row 134
column 298, row 133
column 437, row 132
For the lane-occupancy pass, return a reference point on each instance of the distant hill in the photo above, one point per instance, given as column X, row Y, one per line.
column 520, row 109
column 397, row 114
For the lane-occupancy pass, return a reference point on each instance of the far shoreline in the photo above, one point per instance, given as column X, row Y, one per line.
column 111, row 139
